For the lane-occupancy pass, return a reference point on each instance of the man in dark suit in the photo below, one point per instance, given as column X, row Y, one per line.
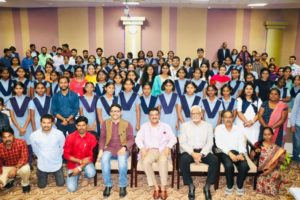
column 223, row 53
column 200, row 59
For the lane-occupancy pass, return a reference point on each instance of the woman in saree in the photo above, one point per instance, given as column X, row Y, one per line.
column 269, row 161
column 273, row 113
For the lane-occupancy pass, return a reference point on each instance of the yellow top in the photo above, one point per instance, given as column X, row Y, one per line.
column 90, row 78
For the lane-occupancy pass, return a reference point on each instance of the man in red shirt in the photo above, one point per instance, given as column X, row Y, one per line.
column 78, row 151
column 13, row 160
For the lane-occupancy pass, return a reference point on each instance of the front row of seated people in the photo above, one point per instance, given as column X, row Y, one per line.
column 155, row 141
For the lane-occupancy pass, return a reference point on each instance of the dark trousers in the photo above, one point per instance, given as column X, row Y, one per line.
column 242, row 168
column 70, row 128
column 30, row 154
column 213, row 167
column 43, row 178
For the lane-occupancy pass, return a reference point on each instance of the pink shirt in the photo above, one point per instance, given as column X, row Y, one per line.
column 158, row 137
column 77, row 86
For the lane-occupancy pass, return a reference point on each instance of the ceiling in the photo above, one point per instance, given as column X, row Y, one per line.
column 272, row 4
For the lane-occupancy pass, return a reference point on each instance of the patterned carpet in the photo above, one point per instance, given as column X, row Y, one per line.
column 143, row 192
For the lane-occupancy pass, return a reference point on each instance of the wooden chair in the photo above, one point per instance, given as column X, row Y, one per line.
column 171, row 166
column 114, row 167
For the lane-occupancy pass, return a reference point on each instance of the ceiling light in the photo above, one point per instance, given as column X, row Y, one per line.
column 257, row 4
column 2, row 1
column 131, row 3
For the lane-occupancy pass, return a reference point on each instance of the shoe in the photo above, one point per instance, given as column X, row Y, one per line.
column 206, row 192
column 122, row 192
column 240, row 192
column 164, row 195
column 26, row 189
column 228, row 191
column 191, row 192
column 156, row 194
column 9, row 185
column 106, row 192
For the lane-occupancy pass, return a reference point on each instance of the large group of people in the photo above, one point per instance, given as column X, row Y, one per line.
column 63, row 107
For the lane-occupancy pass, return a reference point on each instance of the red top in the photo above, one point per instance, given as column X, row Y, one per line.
column 79, row 147
column 16, row 155
column 77, row 86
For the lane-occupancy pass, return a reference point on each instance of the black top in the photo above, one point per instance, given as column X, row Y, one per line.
column 264, row 88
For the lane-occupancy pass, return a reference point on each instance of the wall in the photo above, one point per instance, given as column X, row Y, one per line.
column 180, row 29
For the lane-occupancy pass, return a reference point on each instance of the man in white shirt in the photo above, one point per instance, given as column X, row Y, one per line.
column 232, row 143
column 196, row 141
column 175, row 67
column 47, row 144
column 294, row 66
column 58, row 59
column 155, row 141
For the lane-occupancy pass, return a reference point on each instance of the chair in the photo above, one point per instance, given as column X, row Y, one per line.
column 171, row 166
column 196, row 170
column 114, row 167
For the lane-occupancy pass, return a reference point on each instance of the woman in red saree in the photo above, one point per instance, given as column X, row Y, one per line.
column 269, row 161
column 274, row 113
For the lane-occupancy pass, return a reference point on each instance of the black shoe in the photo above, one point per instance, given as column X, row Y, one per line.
column 9, row 184
column 26, row 189
column 122, row 192
column 106, row 192
column 206, row 192
column 191, row 192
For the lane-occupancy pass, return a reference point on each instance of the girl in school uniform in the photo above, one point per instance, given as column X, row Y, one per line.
column 132, row 75
column 39, row 105
column 66, row 66
column 295, row 89
column 205, row 74
column 130, row 102
column 118, row 81
column 15, row 65
column 92, row 60
column 91, row 75
column 168, row 104
column 111, row 75
column 181, row 81
column 6, row 85
column 236, row 84
column 228, row 102
column 80, row 62
column 54, row 87
column 34, row 68
column 105, row 101
column 18, row 106
column 147, row 102
column 87, row 107
column 200, row 83
column 102, row 78
column 248, row 105
column 188, row 100
column 40, row 78
column 212, row 106
column 21, row 77
column 165, row 74
column 285, row 95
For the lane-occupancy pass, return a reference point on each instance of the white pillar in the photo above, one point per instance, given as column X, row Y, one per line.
column 133, row 34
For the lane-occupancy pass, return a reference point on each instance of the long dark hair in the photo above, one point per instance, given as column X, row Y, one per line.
column 145, row 76
column 243, row 94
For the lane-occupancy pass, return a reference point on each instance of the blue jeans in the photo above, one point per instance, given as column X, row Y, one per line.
column 296, row 144
column 122, row 165
column 72, row 182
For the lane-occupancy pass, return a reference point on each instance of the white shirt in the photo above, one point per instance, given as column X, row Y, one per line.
column 194, row 136
column 230, row 140
column 158, row 137
column 48, row 147
column 295, row 69
column 57, row 61
column 72, row 61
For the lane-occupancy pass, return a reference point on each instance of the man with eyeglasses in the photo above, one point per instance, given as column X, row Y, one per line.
column 196, row 141
column 116, row 142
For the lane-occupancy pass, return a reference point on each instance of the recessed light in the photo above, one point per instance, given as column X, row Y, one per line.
column 131, row 3
column 257, row 4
